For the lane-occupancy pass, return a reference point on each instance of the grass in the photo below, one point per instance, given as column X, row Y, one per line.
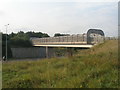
column 93, row 68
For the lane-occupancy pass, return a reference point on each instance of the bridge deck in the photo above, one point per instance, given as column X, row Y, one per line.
column 80, row 46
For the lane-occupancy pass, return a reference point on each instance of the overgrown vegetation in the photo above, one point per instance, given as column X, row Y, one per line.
column 93, row 68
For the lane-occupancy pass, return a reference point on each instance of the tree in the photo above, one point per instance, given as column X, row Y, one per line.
column 11, row 35
column 58, row 34
column 20, row 40
column 37, row 34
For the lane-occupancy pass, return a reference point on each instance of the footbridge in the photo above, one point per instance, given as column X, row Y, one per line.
column 86, row 40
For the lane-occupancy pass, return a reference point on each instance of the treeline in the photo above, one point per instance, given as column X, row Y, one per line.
column 19, row 39
column 22, row 39
column 59, row 34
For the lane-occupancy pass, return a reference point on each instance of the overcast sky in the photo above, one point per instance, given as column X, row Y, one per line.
column 59, row 16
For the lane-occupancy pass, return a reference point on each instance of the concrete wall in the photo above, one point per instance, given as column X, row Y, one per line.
column 34, row 52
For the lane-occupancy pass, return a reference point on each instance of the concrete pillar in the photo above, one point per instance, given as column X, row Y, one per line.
column 46, row 52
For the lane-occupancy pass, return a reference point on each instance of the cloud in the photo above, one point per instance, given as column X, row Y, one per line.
column 95, row 15
column 64, row 17
column 2, row 13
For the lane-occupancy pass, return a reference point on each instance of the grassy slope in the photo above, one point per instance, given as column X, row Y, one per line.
column 93, row 68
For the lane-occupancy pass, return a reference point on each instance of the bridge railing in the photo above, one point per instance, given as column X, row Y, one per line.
column 111, row 38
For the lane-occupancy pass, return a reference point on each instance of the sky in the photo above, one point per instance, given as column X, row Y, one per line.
column 59, row 16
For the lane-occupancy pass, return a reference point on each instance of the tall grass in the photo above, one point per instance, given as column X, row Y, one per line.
column 93, row 68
